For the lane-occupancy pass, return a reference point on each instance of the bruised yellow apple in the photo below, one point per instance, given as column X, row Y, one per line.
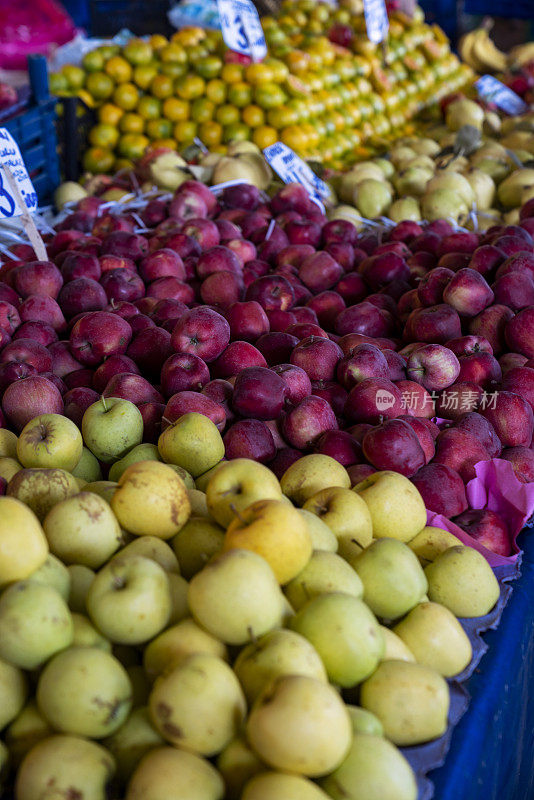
column 23, row 545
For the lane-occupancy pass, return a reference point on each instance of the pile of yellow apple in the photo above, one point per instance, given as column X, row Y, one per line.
column 195, row 628
column 324, row 89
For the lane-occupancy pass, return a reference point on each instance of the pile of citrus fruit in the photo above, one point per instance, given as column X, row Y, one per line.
column 324, row 90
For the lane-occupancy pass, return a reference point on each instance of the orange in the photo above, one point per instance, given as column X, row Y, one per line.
column 216, row 90
column 75, row 76
column 144, row 74
column 159, row 128
column 162, row 86
column 157, row 41
column 227, row 115
column 264, row 136
column 237, row 132
column 173, row 52
column 98, row 159
column 281, row 117
column 269, row 95
column 133, row 145
column 103, row 135
column 190, row 86
column 131, row 123
column 253, row 116
column 185, row 132
column 259, row 73
column 137, row 52
column 59, row 85
column 240, row 94
column 118, row 69
column 278, row 68
column 232, row 73
column 196, row 53
column 123, row 164
column 176, row 109
column 99, row 85
column 189, row 36
column 149, row 107
column 295, row 137
column 93, row 61
column 209, row 66
column 202, row 110
column 173, row 68
column 126, row 96
column 210, row 133
column 110, row 114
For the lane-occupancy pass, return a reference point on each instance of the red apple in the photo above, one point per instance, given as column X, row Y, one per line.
column 77, row 401
column 152, row 414
column 247, row 320
column 480, row 428
column 249, row 438
column 347, row 256
column 113, row 365
column 423, row 433
column 63, row 361
column 149, row 349
column 351, row 288
column 185, row 402
column 487, row 528
column 521, row 381
column 359, row 472
column 161, row 264
column 306, row 422
column 318, row 357
column 9, row 317
column 519, row 332
column 271, row 292
column 327, row 306
column 431, row 286
column 183, row 371
column 297, row 382
column 11, row 371
column 29, row 397
column 364, row 318
column 416, row 400
column 37, row 277
column 491, row 324
column 202, row 332
column 519, row 262
column 460, row 450
column 283, row 460
column 27, row 351
column 334, row 394
column 511, row 416
column 341, row 446
column 442, row 489
column 259, row 393
column 434, row 324
column 459, row 399
column 320, row 272
column 97, row 335
column 480, row 368
column 42, row 308
column 237, row 356
column 221, row 392
column 111, row 262
column 433, row 366
column 82, row 294
column 40, row 332
column 304, row 330
column 522, row 461
column 222, row 289
column 276, row 347
column 509, row 361
column 365, row 361
column 80, row 265
column 133, row 387
column 125, row 245
column 379, row 270
column 393, row 445
column 396, row 365
column 203, row 230
column 372, row 400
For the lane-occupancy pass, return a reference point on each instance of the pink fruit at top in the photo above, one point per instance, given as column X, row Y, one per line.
column 28, row 398
column 249, row 438
column 512, row 418
column 442, row 489
column 393, row 445
column 487, row 528
column 201, row 331
column 305, row 423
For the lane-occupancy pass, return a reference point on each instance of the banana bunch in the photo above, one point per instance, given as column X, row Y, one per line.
column 479, row 52
column 521, row 55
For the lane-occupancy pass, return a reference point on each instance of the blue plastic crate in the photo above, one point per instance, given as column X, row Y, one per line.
column 32, row 123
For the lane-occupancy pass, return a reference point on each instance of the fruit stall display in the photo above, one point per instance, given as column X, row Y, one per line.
column 324, row 90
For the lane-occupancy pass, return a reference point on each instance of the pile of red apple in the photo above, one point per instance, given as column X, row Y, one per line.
column 291, row 332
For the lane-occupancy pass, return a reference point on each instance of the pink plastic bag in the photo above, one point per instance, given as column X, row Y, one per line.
column 31, row 26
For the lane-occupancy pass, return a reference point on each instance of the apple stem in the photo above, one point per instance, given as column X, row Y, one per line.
column 103, row 399
column 253, row 637
column 236, row 511
column 168, row 421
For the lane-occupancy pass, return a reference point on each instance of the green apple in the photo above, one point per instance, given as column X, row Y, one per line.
column 321, row 535
column 86, row 635
column 167, row 771
column 393, row 579
column 436, row 638
column 199, row 506
column 373, row 770
column 237, row 763
column 132, row 741
column 141, row 452
column 365, row 722
column 201, row 483
column 104, row 489
column 345, row 633
column 87, row 468
column 274, row 785
column 194, row 545
column 396, row 507
column 55, row 574
column 8, row 444
column 35, row 623
column 237, row 484
column 72, row 765
column 13, row 692
column 41, row 489
column 154, row 548
column 198, row 705
column 345, row 513
column 84, row 691
column 280, row 652
column 29, row 728
column 178, row 587
column 83, row 530
column 81, row 578
column 300, row 724
column 395, row 649
column 9, row 467
column 461, row 579
column 129, row 600
column 325, row 572
column 185, row 476
column 177, row 643
column 310, row 474
column 23, row 544
column 236, row 597
column 111, row 427
column 48, row 441
column 192, row 442
column 410, row 700
column 430, row 542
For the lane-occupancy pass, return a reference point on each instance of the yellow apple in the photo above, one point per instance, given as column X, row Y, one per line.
column 81, row 578
column 154, row 548
column 177, row 643
column 237, row 763
column 55, row 574
column 105, row 489
column 50, row 440
column 165, row 771
column 192, row 442
column 13, row 692
column 395, row 648
column 277, row 532
column 237, row 484
column 321, row 535
column 9, row 467
column 26, row 730
column 82, row 530
column 151, row 499
column 194, row 545
column 87, row 468
column 199, row 506
column 201, row 483
column 23, row 545
column 132, row 741
column 345, row 513
column 310, row 474
column 430, row 542
column 178, row 588
column 396, row 507
column 86, row 635
column 324, row 572
column 274, row 785
column 141, row 452
column 41, row 489
column 8, row 444
column 111, row 427
column 461, row 579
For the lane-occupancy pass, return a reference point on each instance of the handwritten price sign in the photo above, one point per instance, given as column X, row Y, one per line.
column 376, row 20
column 293, row 169
column 11, row 159
column 241, row 28
column 493, row 91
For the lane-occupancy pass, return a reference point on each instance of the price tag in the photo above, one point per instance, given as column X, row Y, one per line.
column 241, row 28
column 376, row 20
column 293, row 169
column 11, row 159
column 493, row 91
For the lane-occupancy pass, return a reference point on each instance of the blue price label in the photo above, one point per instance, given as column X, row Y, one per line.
column 241, row 28
column 492, row 90
column 11, row 159
column 293, row 169
column 376, row 20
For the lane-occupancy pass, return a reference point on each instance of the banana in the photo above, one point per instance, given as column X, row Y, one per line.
column 521, row 54
column 465, row 48
column 484, row 51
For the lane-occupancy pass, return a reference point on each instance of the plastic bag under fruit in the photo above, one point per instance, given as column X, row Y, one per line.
column 31, row 26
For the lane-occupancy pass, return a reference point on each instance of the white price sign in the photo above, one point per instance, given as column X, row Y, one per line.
column 376, row 20
column 241, row 28
column 11, row 159
column 493, row 91
column 293, row 169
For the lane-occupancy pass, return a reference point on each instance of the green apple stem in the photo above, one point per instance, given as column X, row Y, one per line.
column 253, row 637
column 238, row 514
column 103, row 400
